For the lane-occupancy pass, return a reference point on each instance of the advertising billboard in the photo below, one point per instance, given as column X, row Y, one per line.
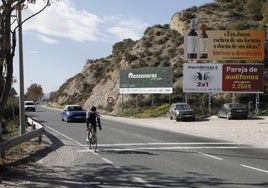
column 222, row 78
column 225, row 45
column 242, row 77
column 202, row 78
column 146, row 80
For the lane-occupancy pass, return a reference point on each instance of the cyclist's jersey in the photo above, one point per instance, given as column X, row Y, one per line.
column 92, row 118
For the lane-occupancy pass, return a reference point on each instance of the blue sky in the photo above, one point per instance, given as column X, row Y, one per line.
column 58, row 42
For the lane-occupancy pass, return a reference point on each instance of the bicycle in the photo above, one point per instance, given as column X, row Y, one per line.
column 92, row 140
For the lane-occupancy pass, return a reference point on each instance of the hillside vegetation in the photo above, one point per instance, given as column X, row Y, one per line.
column 162, row 46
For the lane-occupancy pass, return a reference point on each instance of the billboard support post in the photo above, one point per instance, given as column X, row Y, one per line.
column 137, row 103
column 209, row 103
column 257, row 103
column 233, row 98
column 122, row 102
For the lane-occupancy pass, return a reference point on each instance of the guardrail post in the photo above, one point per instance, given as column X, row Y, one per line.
column 40, row 139
column 33, row 126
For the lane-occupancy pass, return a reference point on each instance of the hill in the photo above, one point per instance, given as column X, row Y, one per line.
column 161, row 46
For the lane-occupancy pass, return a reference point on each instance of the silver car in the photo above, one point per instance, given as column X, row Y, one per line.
column 181, row 111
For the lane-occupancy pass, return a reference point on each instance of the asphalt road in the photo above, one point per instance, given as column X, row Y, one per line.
column 136, row 156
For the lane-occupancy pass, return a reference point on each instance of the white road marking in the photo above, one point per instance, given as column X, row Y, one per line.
column 64, row 135
column 170, row 148
column 168, row 143
column 228, row 145
column 253, row 168
column 166, row 146
column 211, row 156
column 78, row 143
column 107, row 161
column 140, row 180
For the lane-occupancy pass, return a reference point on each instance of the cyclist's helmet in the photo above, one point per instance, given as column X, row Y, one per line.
column 93, row 108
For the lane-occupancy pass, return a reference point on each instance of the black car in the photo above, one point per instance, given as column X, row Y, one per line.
column 181, row 111
column 233, row 110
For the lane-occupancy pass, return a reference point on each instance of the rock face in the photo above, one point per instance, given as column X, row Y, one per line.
column 161, row 46
column 177, row 24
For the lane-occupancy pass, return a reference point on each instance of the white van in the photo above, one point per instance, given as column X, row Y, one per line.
column 29, row 106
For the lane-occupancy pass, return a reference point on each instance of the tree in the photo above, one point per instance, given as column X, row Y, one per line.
column 8, row 30
column 34, row 92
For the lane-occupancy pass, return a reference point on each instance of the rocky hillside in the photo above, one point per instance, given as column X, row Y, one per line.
column 161, row 46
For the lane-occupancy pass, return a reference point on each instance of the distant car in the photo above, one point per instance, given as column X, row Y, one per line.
column 73, row 113
column 29, row 106
column 233, row 110
column 181, row 111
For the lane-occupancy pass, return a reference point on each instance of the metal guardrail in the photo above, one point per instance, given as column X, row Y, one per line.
column 37, row 131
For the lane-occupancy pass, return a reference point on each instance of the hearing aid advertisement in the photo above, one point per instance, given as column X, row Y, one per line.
column 242, row 78
column 219, row 78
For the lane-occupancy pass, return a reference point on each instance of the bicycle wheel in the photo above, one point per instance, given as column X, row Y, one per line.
column 94, row 141
column 89, row 139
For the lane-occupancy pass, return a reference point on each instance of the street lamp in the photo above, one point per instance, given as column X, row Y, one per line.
column 21, row 75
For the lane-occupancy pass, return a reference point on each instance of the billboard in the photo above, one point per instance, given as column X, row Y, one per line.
column 226, row 45
column 146, row 80
column 222, row 78
column 202, row 78
column 243, row 77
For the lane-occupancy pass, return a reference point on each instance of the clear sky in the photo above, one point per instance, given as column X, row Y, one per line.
column 58, row 42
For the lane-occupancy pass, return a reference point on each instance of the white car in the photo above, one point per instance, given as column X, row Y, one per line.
column 29, row 106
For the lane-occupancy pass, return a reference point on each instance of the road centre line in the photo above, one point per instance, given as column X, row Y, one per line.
column 253, row 168
column 211, row 156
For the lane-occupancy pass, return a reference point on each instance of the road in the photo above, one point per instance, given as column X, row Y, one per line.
column 137, row 156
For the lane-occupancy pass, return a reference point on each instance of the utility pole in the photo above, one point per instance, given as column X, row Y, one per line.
column 22, row 110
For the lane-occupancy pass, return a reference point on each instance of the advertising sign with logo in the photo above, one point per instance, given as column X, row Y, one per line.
column 202, row 78
column 225, row 44
column 146, row 80
column 222, row 78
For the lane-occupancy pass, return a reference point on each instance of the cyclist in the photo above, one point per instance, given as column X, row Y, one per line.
column 93, row 118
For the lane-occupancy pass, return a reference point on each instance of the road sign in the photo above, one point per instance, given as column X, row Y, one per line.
column 110, row 100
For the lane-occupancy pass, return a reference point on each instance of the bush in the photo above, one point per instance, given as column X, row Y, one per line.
column 11, row 108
